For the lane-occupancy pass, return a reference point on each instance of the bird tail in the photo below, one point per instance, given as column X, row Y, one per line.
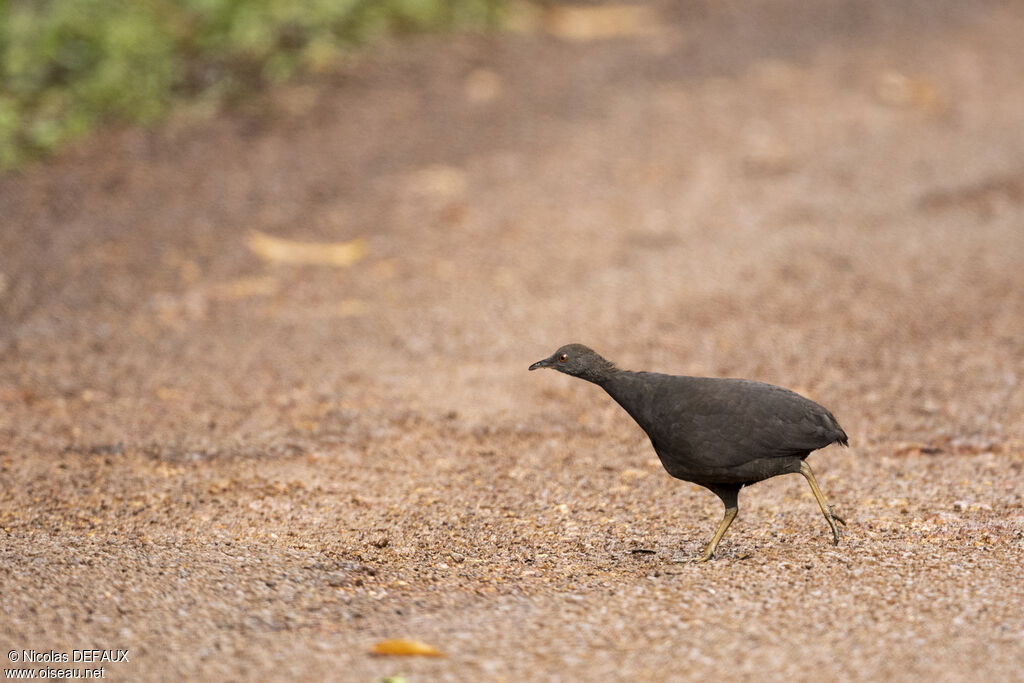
column 840, row 435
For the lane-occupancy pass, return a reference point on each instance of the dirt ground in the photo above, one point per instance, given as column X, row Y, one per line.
column 239, row 468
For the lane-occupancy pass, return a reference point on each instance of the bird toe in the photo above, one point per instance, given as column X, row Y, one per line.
column 835, row 516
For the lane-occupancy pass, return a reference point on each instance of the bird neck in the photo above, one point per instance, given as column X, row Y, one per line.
column 600, row 373
column 630, row 391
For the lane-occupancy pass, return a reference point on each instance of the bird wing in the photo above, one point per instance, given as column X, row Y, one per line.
column 727, row 422
column 741, row 417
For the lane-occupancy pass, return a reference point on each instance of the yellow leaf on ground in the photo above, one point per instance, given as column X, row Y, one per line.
column 348, row 308
column 167, row 394
column 899, row 90
column 247, row 286
column 278, row 250
column 405, row 647
column 585, row 23
column 439, row 181
column 482, row 85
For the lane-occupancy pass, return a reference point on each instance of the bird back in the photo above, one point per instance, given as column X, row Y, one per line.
column 715, row 423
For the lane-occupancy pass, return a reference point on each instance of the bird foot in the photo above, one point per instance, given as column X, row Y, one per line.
column 696, row 560
column 832, row 511
column 832, row 519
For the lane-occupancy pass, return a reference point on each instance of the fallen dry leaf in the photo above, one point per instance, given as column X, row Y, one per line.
column 167, row 394
column 898, row 90
column 279, row 250
column 482, row 85
column 404, row 647
column 585, row 23
column 439, row 181
column 347, row 308
column 242, row 288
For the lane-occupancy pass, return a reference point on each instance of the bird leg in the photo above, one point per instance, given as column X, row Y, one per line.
column 730, row 499
column 709, row 552
column 830, row 516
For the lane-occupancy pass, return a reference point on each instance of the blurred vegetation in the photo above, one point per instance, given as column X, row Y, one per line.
column 68, row 66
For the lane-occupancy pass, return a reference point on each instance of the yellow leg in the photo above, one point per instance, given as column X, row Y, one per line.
column 830, row 516
column 709, row 552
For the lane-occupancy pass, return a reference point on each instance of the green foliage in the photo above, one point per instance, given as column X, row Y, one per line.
column 68, row 66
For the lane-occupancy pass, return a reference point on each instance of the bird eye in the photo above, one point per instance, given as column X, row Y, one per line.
column 562, row 358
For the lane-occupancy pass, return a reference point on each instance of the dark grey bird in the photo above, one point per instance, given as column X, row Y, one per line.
column 723, row 434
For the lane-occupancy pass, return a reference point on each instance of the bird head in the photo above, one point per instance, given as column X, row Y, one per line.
column 577, row 360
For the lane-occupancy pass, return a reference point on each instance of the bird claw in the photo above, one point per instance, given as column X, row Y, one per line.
column 691, row 560
column 832, row 511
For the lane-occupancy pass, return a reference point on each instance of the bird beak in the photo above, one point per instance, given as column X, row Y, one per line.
column 546, row 363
